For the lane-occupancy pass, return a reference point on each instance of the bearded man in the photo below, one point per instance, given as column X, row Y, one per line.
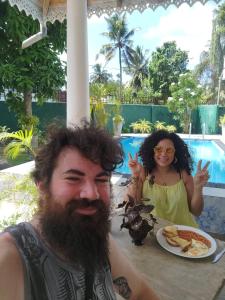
column 66, row 251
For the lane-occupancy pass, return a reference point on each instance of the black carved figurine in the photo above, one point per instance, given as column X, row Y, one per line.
column 137, row 225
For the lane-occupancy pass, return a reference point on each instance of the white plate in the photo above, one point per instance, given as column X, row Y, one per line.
column 177, row 250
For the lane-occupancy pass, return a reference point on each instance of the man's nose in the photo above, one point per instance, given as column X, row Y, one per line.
column 89, row 190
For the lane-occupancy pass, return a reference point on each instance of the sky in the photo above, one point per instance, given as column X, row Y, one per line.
column 190, row 27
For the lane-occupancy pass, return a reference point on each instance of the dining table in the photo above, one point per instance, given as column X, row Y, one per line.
column 171, row 276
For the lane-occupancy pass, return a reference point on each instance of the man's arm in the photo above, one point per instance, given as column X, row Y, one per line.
column 127, row 281
column 11, row 270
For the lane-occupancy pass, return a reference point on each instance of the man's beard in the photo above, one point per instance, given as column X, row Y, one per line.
column 81, row 239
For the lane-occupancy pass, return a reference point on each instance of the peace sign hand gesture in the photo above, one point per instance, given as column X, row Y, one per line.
column 202, row 175
column 134, row 165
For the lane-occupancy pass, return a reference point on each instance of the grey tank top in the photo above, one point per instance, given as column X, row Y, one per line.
column 46, row 277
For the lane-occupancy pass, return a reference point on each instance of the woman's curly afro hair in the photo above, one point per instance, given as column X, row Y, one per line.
column 146, row 152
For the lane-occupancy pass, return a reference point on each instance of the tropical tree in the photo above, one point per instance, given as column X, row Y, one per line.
column 119, row 39
column 217, row 46
column 138, row 67
column 100, row 75
column 206, row 77
column 32, row 72
column 186, row 96
column 165, row 66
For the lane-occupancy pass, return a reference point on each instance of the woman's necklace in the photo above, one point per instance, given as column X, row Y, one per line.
column 160, row 179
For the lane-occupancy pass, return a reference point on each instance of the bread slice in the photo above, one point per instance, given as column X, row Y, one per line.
column 171, row 242
column 170, row 231
column 184, row 244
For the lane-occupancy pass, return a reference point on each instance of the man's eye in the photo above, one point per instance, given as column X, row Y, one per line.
column 72, row 178
column 102, row 180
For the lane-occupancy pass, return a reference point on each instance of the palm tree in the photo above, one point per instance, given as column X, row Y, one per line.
column 119, row 37
column 138, row 67
column 217, row 47
column 100, row 75
column 20, row 142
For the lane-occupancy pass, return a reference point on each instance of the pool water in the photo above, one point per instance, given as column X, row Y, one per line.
column 200, row 149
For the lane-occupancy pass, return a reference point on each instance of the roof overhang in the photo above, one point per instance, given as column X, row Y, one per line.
column 51, row 10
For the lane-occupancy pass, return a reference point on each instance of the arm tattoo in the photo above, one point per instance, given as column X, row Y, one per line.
column 123, row 287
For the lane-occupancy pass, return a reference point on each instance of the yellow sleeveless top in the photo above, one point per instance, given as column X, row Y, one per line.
column 170, row 202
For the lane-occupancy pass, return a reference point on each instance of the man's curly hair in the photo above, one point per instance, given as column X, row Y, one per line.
column 146, row 152
column 93, row 143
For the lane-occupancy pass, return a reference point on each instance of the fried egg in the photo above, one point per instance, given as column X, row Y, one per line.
column 197, row 248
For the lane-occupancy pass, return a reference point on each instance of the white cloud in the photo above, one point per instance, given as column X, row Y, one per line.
column 96, row 20
column 190, row 27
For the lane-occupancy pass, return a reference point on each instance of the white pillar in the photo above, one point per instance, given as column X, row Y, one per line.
column 78, row 106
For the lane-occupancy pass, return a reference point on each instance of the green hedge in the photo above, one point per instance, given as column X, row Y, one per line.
column 48, row 112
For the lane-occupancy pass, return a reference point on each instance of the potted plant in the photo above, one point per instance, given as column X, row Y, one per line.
column 117, row 119
column 222, row 124
column 142, row 126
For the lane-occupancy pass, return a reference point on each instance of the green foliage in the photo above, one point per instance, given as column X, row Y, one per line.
column 98, row 109
column 4, row 129
column 166, row 65
column 101, row 115
column 217, row 46
column 20, row 143
column 138, row 67
column 118, row 119
column 22, row 194
column 143, row 96
column 217, row 53
column 186, row 95
column 142, row 126
column 206, row 76
column 35, row 71
column 161, row 125
column 116, row 112
column 222, row 120
column 15, row 104
column 100, row 75
column 171, row 128
column 128, row 95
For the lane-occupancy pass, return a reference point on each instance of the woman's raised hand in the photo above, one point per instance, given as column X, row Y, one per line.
column 134, row 165
column 202, row 175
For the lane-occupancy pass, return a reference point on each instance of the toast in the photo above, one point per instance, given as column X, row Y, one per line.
column 184, row 244
column 170, row 231
column 173, row 239
column 171, row 242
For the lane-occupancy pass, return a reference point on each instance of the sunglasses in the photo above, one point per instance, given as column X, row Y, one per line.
column 160, row 150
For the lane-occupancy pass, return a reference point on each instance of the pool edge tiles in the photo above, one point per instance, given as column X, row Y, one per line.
column 220, row 144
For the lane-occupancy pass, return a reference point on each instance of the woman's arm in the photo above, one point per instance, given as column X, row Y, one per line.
column 128, row 283
column 134, row 188
column 194, row 187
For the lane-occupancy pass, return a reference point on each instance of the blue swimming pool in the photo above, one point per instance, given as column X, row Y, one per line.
column 199, row 149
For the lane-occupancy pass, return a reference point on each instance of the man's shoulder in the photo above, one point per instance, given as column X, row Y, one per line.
column 7, row 245
column 11, row 269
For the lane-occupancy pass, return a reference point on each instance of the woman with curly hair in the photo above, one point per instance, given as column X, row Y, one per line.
column 165, row 180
